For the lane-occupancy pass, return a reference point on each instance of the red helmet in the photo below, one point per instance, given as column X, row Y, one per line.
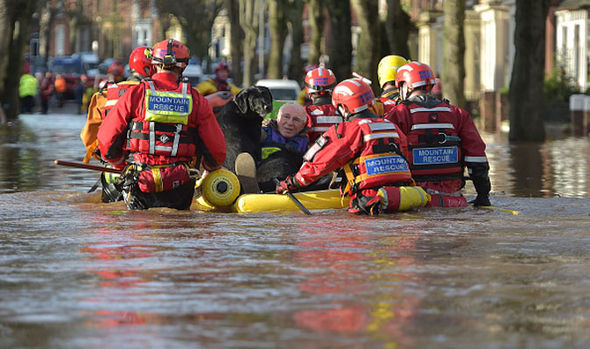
column 115, row 69
column 221, row 66
column 320, row 80
column 309, row 68
column 139, row 61
column 354, row 95
column 170, row 53
column 416, row 75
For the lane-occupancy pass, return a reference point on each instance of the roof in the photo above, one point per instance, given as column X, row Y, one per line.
column 574, row 4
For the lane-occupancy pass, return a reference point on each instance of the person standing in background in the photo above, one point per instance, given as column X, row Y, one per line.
column 47, row 91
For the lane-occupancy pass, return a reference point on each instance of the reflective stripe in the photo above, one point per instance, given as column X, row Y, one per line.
column 359, row 109
column 368, row 137
column 152, row 137
column 328, row 119
column 430, row 126
column 111, row 102
column 157, row 179
column 317, row 112
column 378, row 126
column 320, row 129
column 476, row 159
column 176, row 140
column 163, row 148
column 417, row 110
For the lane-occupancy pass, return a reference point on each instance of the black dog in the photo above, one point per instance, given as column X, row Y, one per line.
column 241, row 123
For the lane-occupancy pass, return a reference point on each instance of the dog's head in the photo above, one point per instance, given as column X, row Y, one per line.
column 255, row 101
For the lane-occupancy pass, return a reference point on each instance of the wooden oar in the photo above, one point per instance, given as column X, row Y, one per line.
column 294, row 199
column 86, row 166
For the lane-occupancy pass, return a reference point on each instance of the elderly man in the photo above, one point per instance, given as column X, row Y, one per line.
column 283, row 143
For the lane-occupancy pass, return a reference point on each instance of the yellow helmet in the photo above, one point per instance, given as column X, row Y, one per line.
column 388, row 68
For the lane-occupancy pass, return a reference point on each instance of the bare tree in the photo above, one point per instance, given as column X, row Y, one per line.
column 340, row 39
column 294, row 13
column 236, row 35
column 4, row 27
column 315, row 10
column 368, row 48
column 528, row 72
column 18, row 17
column 277, row 24
column 249, row 20
column 397, row 27
column 453, row 72
column 196, row 18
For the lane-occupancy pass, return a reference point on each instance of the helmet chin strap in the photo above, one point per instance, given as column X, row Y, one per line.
column 343, row 111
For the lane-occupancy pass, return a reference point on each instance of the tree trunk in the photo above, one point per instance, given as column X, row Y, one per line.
column 397, row 27
column 277, row 24
column 453, row 74
column 316, row 24
column 340, row 39
column 19, row 35
column 368, row 49
column 4, row 28
column 236, row 35
column 528, row 72
column 294, row 13
column 249, row 14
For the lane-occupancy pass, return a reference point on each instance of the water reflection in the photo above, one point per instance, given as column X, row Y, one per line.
column 558, row 167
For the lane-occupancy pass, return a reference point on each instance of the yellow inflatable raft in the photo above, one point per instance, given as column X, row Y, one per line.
column 219, row 192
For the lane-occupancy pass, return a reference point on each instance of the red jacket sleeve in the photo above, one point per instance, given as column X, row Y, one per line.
column 113, row 130
column 213, row 140
column 474, row 148
column 343, row 143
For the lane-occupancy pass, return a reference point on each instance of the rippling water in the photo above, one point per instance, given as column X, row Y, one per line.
column 76, row 273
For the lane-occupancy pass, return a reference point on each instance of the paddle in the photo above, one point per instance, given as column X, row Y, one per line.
column 294, row 199
column 86, row 166
column 512, row 212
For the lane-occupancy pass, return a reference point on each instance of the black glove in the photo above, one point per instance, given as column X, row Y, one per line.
column 482, row 186
column 287, row 185
column 369, row 205
column 481, row 200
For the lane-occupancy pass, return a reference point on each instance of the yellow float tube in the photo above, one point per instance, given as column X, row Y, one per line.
column 219, row 191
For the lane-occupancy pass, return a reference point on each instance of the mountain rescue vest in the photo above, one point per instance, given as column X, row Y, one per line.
column 164, row 128
column 434, row 144
column 275, row 142
column 114, row 92
column 381, row 161
column 321, row 118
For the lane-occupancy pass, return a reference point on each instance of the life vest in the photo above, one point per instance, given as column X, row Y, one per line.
column 381, row 161
column 114, row 92
column 275, row 142
column 434, row 144
column 320, row 119
column 165, row 127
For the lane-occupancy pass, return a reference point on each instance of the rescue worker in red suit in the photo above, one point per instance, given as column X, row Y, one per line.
column 321, row 114
column 370, row 149
column 141, row 67
column 442, row 140
column 163, row 122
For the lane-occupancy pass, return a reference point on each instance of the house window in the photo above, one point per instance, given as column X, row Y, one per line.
column 577, row 51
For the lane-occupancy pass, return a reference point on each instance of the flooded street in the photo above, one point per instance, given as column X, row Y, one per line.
column 76, row 273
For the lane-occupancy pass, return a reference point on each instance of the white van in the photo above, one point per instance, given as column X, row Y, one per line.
column 194, row 73
column 282, row 90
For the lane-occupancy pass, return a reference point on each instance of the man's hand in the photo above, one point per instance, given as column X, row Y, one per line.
column 287, row 185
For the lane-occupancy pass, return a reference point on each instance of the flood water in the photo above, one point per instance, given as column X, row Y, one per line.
column 78, row 274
